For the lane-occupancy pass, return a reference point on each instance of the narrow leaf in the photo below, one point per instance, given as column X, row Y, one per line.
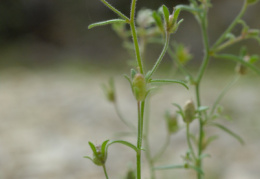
column 166, row 14
column 158, row 20
column 128, row 144
column 106, row 23
column 93, row 147
column 240, row 60
column 115, row 10
column 88, row 158
column 188, row 8
column 225, row 129
column 103, row 147
column 169, row 81
column 167, row 167
column 202, row 108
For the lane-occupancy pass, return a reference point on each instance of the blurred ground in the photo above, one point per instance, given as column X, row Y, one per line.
column 48, row 117
column 52, row 104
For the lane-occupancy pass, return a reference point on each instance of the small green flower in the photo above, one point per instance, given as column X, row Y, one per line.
column 99, row 153
column 183, row 54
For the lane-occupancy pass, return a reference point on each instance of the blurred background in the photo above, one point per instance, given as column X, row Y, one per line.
column 52, row 103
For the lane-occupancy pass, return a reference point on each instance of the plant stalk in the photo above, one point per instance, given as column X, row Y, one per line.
column 140, row 106
column 135, row 39
column 203, row 23
column 105, row 171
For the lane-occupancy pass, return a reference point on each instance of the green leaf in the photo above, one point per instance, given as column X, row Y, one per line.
column 129, row 80
column 225, row 129
column 202, row 108
column 115, row 10
column 106, row 23
column 104, row 146
column 180, row 109
column 168, row 81
column 166, row 14
column 88, row 158
column 250, row 2
column 158, row 20
column 240, row 60
column 176, row 14
column 167, row 167
column 133, row 73
column 202, row 156
column 128, row 144
column 92, row 146
column 188, row 8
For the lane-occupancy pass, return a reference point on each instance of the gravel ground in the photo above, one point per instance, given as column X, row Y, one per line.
column 48, row 117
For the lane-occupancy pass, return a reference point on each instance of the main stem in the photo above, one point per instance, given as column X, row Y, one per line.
column 203, row 23
column 140, row 106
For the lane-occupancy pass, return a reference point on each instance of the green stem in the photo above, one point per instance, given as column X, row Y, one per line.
column 166, row 44
column 146, row 140
column 105, row 171
column 228, row 43
column 203, row 23
column 189, row 142
column 231, row 26
column 140, row 106
column 135, row 39
column 221, row 95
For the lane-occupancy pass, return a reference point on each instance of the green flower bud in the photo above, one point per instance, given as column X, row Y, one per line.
column 99, row 153
column 172, row 122
column 99, row 158
column 139, row 87
column 189, row 111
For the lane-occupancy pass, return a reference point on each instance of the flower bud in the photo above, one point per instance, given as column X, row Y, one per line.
column 99, row 153
column 99, row 158
column 172, row 122
column 109, row 91
column 139, row 87
column 189, row 111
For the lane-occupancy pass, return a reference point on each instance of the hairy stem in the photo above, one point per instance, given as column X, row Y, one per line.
column 135, row 39
column 146, row 140
column 231, row 26
column 203, row 24
column 166, row 44
column 140, row 106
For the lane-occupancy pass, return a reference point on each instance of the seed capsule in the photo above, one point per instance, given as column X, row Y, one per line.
column 189, row 111
column 139, row 87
